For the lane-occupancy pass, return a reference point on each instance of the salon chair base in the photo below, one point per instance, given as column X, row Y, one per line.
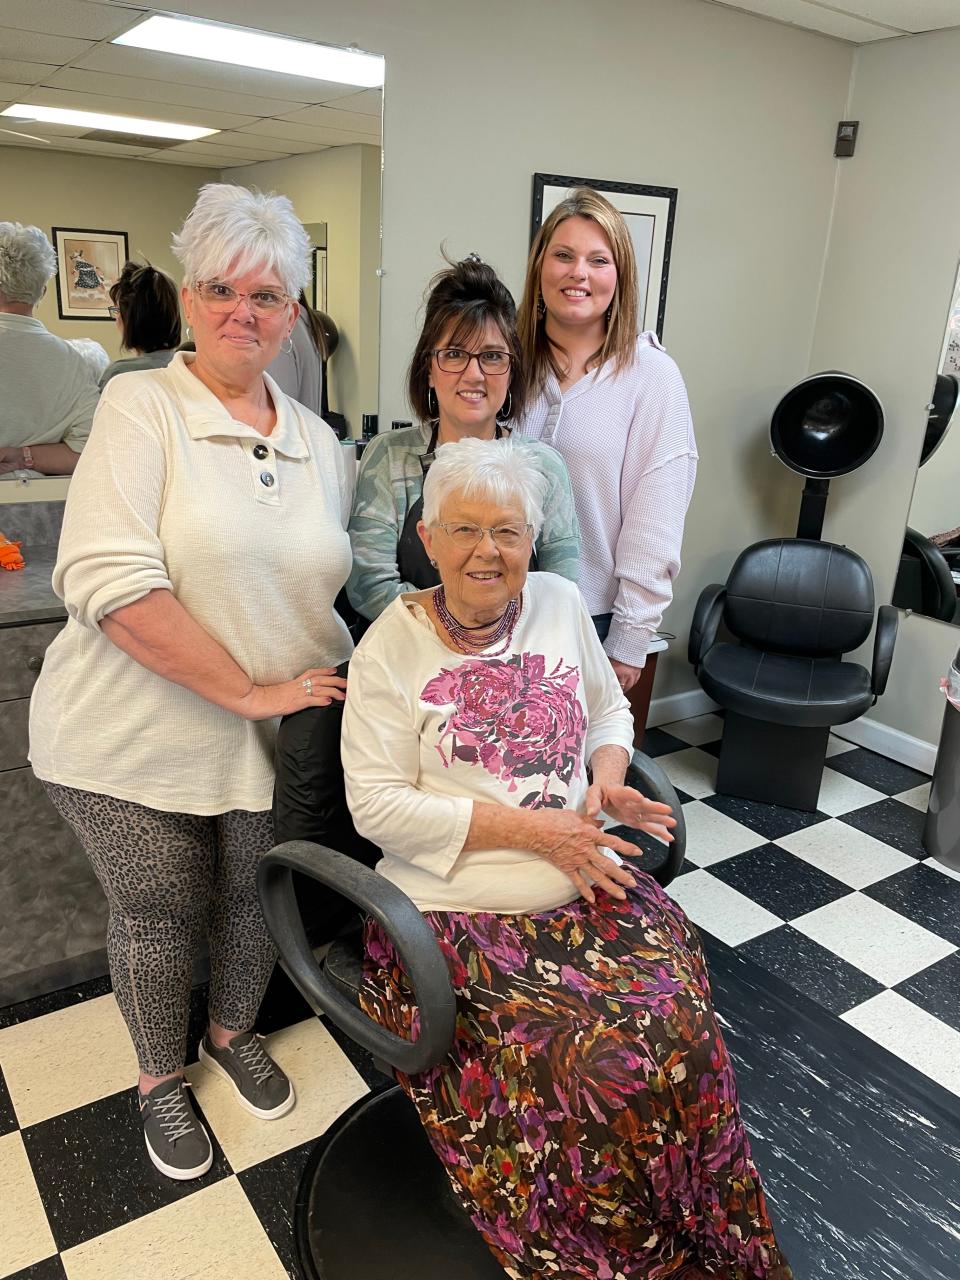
column 772, row 763
column 375, row 1204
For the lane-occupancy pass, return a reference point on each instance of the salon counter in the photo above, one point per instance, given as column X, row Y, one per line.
column 26, row 595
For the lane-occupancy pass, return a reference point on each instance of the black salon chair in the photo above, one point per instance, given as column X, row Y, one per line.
column 796, row 607
column 924, row 582
column 374, row 1202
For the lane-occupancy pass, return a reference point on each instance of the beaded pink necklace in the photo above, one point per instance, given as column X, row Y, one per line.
column 473, row 639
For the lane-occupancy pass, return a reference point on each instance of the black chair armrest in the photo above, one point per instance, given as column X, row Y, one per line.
column 648, row 777
column 706, row 623
column 883, row 642
column 394, row 911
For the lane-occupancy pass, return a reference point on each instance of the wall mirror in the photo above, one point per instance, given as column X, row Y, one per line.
column 928, row 576
column 118, row 188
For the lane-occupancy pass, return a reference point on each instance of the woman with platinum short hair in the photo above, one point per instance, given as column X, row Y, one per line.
column 49, row 397
column 204, row 542
column 587, row 1112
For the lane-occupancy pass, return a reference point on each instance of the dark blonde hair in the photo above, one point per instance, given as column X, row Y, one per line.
column 466, row 295
column 543, row 356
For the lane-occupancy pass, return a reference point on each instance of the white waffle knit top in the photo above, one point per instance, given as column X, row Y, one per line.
column 170, row 493
column 627, row 439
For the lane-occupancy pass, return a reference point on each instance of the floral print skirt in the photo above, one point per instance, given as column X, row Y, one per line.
column 587, row 1115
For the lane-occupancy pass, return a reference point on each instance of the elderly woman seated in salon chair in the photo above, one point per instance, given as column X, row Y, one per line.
column 586, row 1111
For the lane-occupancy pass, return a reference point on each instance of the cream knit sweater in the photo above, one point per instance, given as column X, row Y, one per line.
column 169, row 494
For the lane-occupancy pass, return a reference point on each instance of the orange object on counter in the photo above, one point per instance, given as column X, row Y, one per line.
column 10, row 557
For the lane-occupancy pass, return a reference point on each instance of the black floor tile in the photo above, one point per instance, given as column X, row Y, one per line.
column 657, row 742
column 896, row 824
column 816, row 971
column 13, row 1014
column 282, row 1006
column 8, row 1117
column 925, row 896
column 93, row 1172
column 877, row 771
column 937, row 990
column 785, row 885
column 768, row 820
column 48, row 1269
column 360, row 1059
column 271, row 1187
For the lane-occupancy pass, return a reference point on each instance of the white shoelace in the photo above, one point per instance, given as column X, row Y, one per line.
column 173, row 1115
column 255, row 1060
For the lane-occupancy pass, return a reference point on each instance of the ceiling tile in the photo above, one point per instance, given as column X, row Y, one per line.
column 121, row 60
column 166, row 91
column 814, row 17
column 908, row 15
column 135, row 107
column 334, row 118
column 12, row 92
column 33, row 46
column 81, row 18
column 30, row 72
column 193, row 162
column 233, row 144
column 367, row 101
column 308, row 134
column 289, row 145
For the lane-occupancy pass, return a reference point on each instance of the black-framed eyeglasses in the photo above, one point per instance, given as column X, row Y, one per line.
column 223, row 297
column 113, row 312
column 506, row 536
column 456, row 360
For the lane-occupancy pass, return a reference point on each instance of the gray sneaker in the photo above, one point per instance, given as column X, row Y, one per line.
column 177, row 1142
column 258, row 1082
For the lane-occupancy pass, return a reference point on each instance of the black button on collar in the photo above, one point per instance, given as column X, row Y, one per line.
column 267, row 478
column 260, row 451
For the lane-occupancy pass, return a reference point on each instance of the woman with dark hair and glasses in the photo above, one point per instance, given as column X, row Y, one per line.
column 466, row 381
column 146, row 310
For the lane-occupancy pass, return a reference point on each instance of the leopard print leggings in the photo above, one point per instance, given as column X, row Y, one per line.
column 168, row 878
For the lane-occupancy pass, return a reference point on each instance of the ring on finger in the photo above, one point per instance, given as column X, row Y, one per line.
column 308, row 686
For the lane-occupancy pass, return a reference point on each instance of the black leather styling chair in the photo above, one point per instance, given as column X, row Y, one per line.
column 795, row 606
column 924, row 582
column 374, row 1202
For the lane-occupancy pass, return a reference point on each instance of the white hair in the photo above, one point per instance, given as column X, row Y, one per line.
column 93, row 354
column 502, row 471
column 27, row 261
column 233, row 229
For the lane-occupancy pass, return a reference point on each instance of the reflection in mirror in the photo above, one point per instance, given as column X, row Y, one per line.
column 100, row 195
column 928, row 576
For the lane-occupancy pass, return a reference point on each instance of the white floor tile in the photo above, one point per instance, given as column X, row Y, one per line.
column 712, row 836
column 912, row 1034
column 727, row 914
column 881, row 942
column 697, row 729
column 693, row 771
column 836, row 746
column 849, row 855
column 25, row 1236
column 840, row 794
column 916, row 797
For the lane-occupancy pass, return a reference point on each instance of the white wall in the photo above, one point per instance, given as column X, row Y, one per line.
column 888, row 285
column 341, row 187
column 736, row 112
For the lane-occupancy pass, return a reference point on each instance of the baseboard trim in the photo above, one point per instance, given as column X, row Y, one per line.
column 679, row 706
column 890, row 742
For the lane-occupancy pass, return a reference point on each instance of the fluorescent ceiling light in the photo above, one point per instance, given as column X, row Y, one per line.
column 117, row 124
column 243, row 47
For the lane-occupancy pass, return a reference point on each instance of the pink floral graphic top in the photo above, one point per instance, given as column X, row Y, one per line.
column 515, row 720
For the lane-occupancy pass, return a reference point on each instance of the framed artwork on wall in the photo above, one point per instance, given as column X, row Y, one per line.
column 88, row 263
column 649, row 213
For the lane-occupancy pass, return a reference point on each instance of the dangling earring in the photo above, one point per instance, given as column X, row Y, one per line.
column 286, row 349
column 541, row 308
column 505, row 410
column 609, row 312
column 433, row 405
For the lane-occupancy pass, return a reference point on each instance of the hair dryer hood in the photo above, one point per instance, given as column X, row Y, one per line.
column 941, row 413
column 827, row 425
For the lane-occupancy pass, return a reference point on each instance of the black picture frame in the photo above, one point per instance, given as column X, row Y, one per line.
column 102, row 254
column 657, row 206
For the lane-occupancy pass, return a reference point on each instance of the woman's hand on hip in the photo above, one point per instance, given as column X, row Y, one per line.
column 575, row 845
column 317, row 687
column 627, row 676
column 630, row 807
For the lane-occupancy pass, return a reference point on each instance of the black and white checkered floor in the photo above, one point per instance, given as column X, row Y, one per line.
column 841, row 904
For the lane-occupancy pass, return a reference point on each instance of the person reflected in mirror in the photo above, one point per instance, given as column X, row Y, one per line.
column 587, row 1112
column 49, row 398
column 146, row 309
column 300, row 370
column 95, row 355
column 467, row 381
column 204, row 542
column 613, row 403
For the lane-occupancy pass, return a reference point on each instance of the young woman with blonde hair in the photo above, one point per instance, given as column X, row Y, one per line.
column 613, row 404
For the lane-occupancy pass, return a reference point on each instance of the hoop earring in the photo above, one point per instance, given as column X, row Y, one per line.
column 433, row 405
column 433, row 564
column 289, row 344
column 505, row 410
column 541, row 308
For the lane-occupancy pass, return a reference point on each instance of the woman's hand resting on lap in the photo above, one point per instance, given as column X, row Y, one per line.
column 631, row 808
column 574, row 845
column 265, row 701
